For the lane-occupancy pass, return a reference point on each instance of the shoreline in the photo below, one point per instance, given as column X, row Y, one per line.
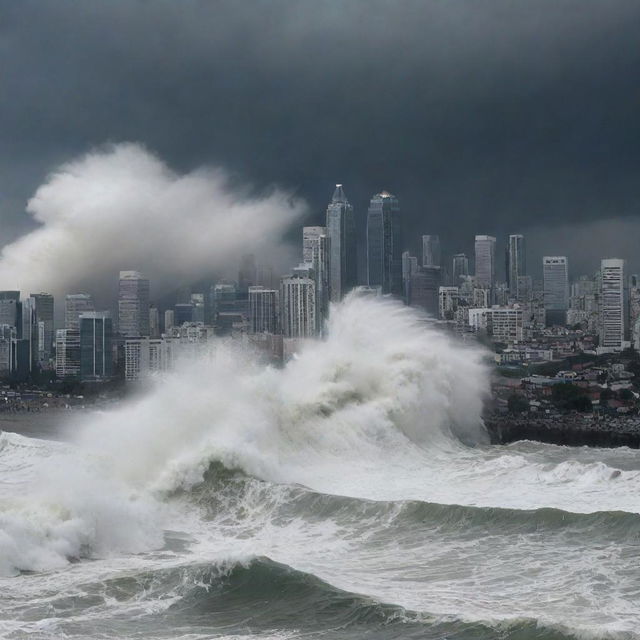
column 565, row 430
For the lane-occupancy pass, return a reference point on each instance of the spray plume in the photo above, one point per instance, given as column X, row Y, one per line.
column 121, row 207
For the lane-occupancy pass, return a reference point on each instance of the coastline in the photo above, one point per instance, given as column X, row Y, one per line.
column 572, row 430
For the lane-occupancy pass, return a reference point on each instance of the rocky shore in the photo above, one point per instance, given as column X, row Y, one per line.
column 572, row 430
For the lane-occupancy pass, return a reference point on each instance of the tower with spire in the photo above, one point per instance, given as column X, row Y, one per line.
column 341, row 229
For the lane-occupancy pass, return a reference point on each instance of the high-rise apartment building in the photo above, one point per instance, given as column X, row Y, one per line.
column 341, row 230
column 317, row 254
column 516, row 263
column 133, row 304
column 485, row 252
column 384, row 243
column 67, row 353
column 263, row 310
column 96, row 350
column 447, row 302
column 298, row 304
column 555, row 275
column 431, row 251
column 611, row 321
column 75, row 304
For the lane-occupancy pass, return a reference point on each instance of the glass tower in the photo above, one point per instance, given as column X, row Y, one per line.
column 341, row 230
column 384, row 243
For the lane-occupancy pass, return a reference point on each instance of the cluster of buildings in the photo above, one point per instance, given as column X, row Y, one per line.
column 523, row 315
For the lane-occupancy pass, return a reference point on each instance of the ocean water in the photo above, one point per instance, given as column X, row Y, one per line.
column 351, row 494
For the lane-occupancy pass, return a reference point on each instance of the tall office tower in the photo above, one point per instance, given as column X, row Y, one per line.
column 44, row 318
column 67, row 353
column 10, row 309
column 96, row 345
column 248, row 273
column 317, row 250
column 197, row 300
column 460, row 268
column 298, row 304
column 555, row 275
column 169, row 320
column 485, row 249
column 29, row 332
column 133, row 304
column 431, row 251
column 409, row 267
column 384, row 243
column 154, row 322
column 343, row 259
column 76, row 304
column 183, row 312
column 423, row 289
column 611, row 324
column 263, row 310
column 516, row 263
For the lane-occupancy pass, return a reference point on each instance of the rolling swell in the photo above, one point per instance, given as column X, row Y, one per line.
column 231, row 494
column 259, row 595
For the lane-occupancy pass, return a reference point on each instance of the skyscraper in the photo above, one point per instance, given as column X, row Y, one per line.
column 611, row 321
column 516, row 263
column 10, row 309
column 460, row 268
column 431, row 251
column 154, row 322
column 263, row 310
column 96, row 353
column 384, row 243
column 169, row 320
column 341, row 229
column 317, row 253
column 76, row 304
column 44, row 318
column 555, row 274
column 133, row 304
column 298, row 304
column 29, row 332
column 485, row 249
column 423, row 289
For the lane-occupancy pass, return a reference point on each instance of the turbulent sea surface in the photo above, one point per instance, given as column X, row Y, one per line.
column 351, row 494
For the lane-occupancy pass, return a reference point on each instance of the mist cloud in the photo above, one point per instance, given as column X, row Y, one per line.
column 121, row 207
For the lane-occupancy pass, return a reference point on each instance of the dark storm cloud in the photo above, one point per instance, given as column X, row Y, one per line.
column 483, row 116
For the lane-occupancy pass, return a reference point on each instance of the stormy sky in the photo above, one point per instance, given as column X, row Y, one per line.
column 483, row 116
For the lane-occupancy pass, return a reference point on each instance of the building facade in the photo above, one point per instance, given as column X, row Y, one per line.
column 611, row 321
column 431, row 256
column 133, row 304
column 341, row 230
column 485, row 254
column 555, row 275
column 384, row 243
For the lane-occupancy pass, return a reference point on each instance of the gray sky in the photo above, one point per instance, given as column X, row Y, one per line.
column 483, row 116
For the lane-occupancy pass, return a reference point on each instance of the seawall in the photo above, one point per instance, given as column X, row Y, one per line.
column 565, row 430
